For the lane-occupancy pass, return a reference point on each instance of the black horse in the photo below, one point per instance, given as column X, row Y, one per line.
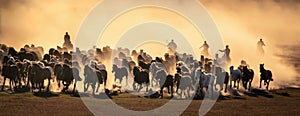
column 265, row 75
column 247, row 77
column 141, row 76
column 12, row 73
column 38, row 73
column 168, row 82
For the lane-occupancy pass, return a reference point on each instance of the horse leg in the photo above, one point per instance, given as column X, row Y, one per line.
column 140, row 87
column 260, row 83
column 238, row 84
column 180, row 93
column 168, row 87
column 27, row 82
column 177, row 84
column 246, row 84
column 87, row 87
column 93, row 87
column 3, row 84
column 147, row 85
column 172, row 91
column 221, row 86
column 250, row 82
column 74, row 86
column 10, row 84
column 161, row 92
column 58, row 81
column 152, row 81
column 43, row 86
column 230, row 83
column 121, row 79
column 225, row 88
column 234, row 84
column 48, row 87
column 19, row 81
column 267, row 87
column 105, row 79
column 98, row 87
column 40, row 86
column 133, row 86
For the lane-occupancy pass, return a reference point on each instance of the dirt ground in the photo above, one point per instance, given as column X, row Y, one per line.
column 276, row 102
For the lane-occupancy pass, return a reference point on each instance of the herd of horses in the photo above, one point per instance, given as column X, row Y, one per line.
column 179, row 73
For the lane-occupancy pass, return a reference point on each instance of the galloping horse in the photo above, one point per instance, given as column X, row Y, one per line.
column 235, row 76
column 140, row 76
column 247, row 77
column 120, row 73
column 265, row 75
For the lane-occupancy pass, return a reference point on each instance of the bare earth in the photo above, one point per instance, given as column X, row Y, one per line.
column 276, row 102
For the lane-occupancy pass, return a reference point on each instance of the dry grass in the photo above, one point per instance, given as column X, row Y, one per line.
column 282, row 102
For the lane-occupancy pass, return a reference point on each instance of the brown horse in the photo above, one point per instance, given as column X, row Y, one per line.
column 38, row 73
column 12, row 73
column 167, row 82
column 265, row 75
column 141, row 76
column 247, row 77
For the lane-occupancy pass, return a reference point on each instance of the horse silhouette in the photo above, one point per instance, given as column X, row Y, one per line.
column 247, row 77
column 120, row 73
column 265, row 75
column 92, row 77
column 167, row 82
column 38, row 74
column 12, row 73
column 235, row 76
column 222, row 78
column 141, row 76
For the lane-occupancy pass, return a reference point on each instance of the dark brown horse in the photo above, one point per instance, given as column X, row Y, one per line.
column 167, row 82
column 38, row 73
column 222, row 78
column 265, row 75
column 12, row 73
column 141, row 76
column 247, row 77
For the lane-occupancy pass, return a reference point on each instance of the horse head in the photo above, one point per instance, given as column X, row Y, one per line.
column 114, row 68
column 231, row 68
column 136, row 70
column 261, row 67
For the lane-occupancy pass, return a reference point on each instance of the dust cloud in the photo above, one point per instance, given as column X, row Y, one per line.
column 241, row 23
column 42, row 23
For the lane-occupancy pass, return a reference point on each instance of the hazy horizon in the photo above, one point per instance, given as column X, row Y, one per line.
column 241, row 24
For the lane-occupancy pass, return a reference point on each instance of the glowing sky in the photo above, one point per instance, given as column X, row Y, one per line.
column 241, row 24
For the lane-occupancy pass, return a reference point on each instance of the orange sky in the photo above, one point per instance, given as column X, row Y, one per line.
column 241, row 24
